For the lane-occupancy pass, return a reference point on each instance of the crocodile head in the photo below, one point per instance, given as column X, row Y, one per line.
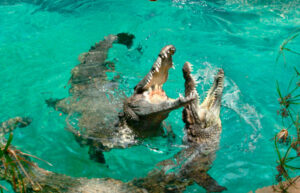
column 149, row 105
column 202, row 121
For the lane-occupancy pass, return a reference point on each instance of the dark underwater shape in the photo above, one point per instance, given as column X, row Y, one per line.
column 126, row 39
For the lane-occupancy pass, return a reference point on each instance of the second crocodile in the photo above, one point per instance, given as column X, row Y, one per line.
column 203, row 128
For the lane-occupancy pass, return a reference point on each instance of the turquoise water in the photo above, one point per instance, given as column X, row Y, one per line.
column 40, row 43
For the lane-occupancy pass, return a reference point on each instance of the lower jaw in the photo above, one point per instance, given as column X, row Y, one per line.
column 158, row 96
column 148, row 127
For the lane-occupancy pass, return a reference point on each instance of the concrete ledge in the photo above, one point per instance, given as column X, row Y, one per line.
column 295, row 188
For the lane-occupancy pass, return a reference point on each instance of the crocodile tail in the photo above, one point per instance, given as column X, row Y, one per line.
column 207, row 182
column 64, row 105
column 121, row 38
column 125, row 39
column 52, row 102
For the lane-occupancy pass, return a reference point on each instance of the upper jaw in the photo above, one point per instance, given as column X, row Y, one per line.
column 149, row 98
column 158, row 74
column 213, row 99
column 190, row 83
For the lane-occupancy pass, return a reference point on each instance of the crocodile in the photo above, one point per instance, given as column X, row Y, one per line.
column 203, row 128
column 101, row 117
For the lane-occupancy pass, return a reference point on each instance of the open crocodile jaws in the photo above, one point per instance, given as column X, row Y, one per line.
column 203, row 128
column 150, row 105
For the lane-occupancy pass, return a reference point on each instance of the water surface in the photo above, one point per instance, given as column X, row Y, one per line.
column 40, row 42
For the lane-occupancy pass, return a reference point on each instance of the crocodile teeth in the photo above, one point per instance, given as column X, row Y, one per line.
column 157, row 69
column 191, row 95
column 149, row 78
column 158, row 65
column 173, row 67
column 165, row 55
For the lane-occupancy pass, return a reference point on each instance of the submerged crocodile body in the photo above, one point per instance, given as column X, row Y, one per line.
column 96, row 113
column 203, row 129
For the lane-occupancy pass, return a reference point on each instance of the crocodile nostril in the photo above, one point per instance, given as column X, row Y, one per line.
column 172, row 50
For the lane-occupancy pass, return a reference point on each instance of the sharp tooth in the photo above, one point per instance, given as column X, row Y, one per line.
column 157, row 69
column 173, row 66
column 159, row 60
column 149, row 78
column 165, row 55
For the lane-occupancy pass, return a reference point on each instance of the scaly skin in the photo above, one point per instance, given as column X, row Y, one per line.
column 96, row 113
column 203, row 129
